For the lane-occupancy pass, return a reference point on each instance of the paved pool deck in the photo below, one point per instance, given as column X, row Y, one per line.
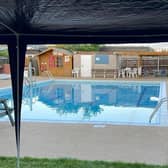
column 7, row 82
column 84, row 141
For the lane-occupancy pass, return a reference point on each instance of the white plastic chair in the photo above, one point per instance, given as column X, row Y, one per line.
column 75, row 72
column 135, row 72
column 139, row 71
column 123, row 73
column 119, row 73
column 128, row 72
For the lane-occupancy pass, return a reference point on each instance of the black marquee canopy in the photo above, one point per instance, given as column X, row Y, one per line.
column 25, row 22
column 117, row 21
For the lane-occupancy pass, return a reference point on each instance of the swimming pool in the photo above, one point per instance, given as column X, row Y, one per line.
column 97, row 102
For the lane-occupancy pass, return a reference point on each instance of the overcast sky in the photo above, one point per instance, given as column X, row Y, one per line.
column 156, row 46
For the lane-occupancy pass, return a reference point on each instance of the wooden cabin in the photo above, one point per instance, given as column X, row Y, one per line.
column 57, row 62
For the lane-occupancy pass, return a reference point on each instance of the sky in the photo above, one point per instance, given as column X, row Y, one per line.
column 156, row 46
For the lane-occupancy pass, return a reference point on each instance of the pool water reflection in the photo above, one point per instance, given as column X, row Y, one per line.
column 95, row 102
column 90, row 102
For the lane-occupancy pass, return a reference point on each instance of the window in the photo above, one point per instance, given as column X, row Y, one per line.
column 59, row 61
column 101, row 59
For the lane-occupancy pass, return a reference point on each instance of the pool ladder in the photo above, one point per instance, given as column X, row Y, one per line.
column 163, row 100
column 50, row 75
column 29, row 82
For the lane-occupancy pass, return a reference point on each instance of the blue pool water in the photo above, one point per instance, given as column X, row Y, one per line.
column 97, row 102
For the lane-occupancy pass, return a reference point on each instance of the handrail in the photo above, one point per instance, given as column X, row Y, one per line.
column 50, row 75
column 28, row 76
column 165, row 99
column 29, row 82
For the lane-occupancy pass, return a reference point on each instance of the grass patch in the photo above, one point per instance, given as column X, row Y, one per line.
column 4, row 53
column 10, row 162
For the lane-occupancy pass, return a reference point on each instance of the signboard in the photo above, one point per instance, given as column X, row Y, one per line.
column 67, row 59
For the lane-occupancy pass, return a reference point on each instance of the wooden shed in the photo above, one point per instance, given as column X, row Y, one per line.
column 57, row 62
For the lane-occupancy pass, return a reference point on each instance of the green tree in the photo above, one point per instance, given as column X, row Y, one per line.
column 79, row 47
column 3, row 53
